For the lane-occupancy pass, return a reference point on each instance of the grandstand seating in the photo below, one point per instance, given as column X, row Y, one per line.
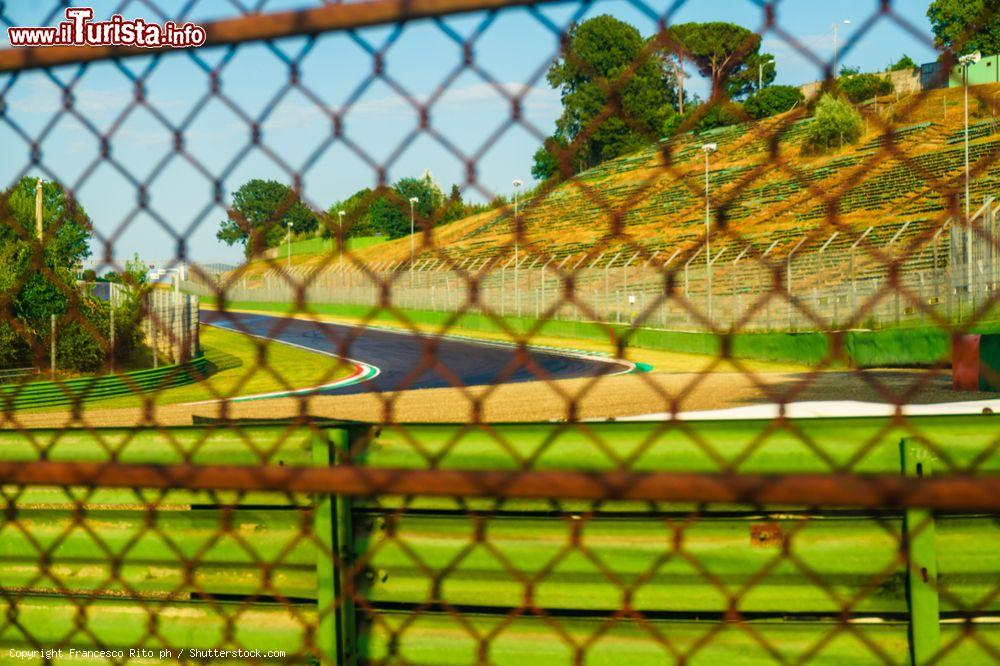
column 762, row 188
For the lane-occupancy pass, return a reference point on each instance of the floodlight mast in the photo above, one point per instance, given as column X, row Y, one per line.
column 517, row 251
column 708, row 149
column 413, row 200
column 967, row 61
column 340, row 234
column 835, row 45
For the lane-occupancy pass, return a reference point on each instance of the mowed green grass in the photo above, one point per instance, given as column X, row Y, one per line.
column 242, row 365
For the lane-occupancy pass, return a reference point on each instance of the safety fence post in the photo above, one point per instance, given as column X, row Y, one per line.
column 921, row 572
column 336, row 638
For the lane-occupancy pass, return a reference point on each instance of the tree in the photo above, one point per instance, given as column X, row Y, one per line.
column 607, row 67
column 758, row 68
column 41, row 276
column 835, row 123
column 65, row 226
column 357, row 221
column 546, row 164
column 454, row 208
column 773, row 100
column 904, row 63
column 720, row 51
column 962, row 26
column 261, row 213
column 390, row 212
column 861, row 87
column 38, row 280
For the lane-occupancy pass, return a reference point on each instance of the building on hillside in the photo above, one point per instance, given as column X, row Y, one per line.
column 928, row 77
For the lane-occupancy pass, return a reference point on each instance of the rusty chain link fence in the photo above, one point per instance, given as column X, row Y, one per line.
column 487, row 441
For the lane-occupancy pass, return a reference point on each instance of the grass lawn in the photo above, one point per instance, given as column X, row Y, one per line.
column 242, row 365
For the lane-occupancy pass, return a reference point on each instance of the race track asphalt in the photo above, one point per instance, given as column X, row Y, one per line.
column 413, row 361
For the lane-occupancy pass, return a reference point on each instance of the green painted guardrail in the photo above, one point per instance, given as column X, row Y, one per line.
column 32, row 395
column 266, row 572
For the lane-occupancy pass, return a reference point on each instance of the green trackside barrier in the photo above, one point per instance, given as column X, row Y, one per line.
column 33, row 395
column 350, row 580
column 894, row 347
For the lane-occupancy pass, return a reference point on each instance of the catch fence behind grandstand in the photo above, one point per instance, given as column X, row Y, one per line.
column 830, row 282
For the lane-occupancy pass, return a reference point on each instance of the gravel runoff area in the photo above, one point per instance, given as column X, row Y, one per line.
column 582, row 398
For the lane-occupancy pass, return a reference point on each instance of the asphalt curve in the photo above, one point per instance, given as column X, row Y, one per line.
column 411, row 361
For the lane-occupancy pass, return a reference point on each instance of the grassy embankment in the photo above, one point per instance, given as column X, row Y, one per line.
column 241, row 365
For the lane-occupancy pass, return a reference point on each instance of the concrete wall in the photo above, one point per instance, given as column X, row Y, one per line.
column 906, row 81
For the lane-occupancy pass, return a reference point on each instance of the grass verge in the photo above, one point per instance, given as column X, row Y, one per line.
column 896, row 347
column 242, row 365
column 576, row 336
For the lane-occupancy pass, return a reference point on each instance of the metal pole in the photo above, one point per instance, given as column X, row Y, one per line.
column 968, row 221
column 52, row 336
column 289, row 264
column 38, row 209
column 708, row 242
column 340, row 238
column 112, row 336
column 517, row 257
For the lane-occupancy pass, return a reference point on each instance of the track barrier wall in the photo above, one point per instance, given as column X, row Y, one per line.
column 371, row 573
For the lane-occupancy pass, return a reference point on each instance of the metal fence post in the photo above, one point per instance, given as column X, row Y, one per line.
column 336, row 637
column 921, row 573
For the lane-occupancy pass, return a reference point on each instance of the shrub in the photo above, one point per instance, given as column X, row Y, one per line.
column 861, row 87
column 836, row 123
column 772, row 100
column 14, row 353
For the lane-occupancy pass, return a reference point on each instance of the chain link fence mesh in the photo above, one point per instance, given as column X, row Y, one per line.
column 313, row 457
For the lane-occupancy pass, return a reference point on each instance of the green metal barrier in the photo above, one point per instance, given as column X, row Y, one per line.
column 33, row 395
column 426, row 580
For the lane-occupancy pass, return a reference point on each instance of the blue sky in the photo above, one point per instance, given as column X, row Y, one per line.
column 469, row 117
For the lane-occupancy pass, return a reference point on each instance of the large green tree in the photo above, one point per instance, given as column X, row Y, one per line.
column 261, row 213
column 725, row 53
column 357, row 221
column 616, row 96
column 962, row 26
column 390, row 212
column 40, row 275
column 38, row 279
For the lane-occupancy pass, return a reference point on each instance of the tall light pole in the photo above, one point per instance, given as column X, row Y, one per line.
column 340, row 236
column 289, row 246
column 760, row 73
column 708, row 149
column 413, row 201
column 517, row 246
column 38, row 209
column 967, row 61
column 835, row 26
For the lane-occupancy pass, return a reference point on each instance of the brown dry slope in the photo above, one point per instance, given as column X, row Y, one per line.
column 906, row 168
